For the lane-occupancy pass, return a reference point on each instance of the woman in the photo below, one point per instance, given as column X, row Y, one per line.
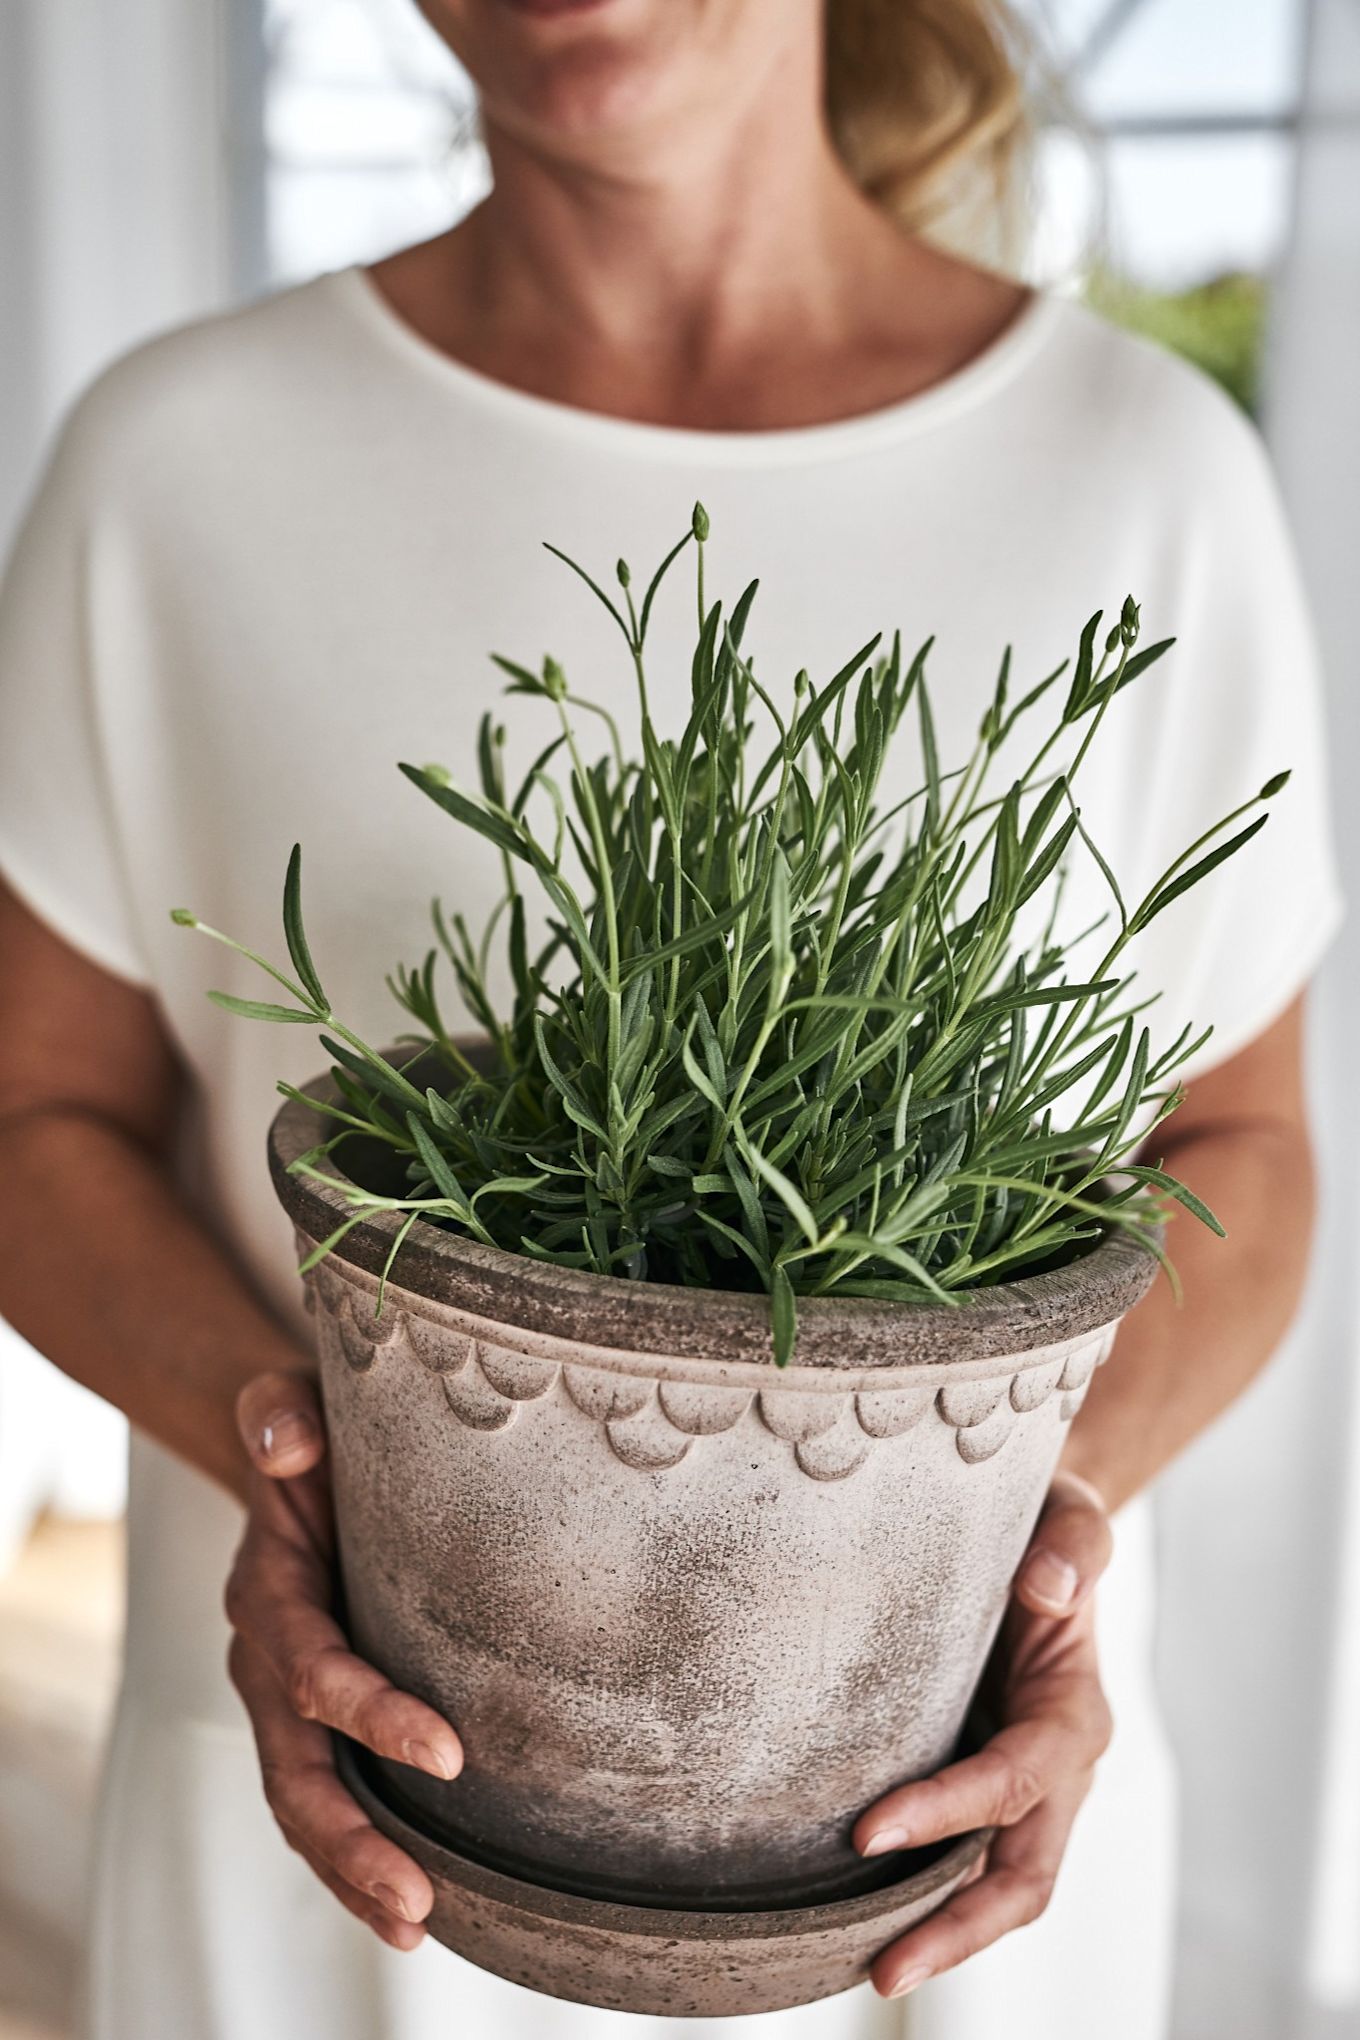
column 269, row 559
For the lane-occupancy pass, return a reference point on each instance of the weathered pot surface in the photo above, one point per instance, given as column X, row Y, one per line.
column 689, row 1613
column 649, row 1960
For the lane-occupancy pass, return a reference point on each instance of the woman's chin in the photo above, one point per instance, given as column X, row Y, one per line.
column 596, row 88
column 605, row 70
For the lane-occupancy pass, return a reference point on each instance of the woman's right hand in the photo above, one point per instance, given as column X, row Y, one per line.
column 292, row 1666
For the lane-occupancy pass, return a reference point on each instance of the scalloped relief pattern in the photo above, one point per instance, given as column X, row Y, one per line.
column 652, row 1424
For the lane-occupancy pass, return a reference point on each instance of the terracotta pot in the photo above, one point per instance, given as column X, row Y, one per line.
column 689, row 1613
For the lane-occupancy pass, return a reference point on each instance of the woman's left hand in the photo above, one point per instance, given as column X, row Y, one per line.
column 1043, row 1687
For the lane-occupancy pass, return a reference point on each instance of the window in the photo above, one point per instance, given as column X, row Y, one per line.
column 369, row 133
column 1167, row 168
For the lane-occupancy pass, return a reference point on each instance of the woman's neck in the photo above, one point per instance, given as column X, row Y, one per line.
column 694, row 248
column 730, row 279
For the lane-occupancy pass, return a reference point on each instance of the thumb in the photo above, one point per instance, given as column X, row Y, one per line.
column 1069, row 1550
column 281, row 1425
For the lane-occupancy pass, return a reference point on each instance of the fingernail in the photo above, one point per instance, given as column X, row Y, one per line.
column 286, row 1433
column 911, row 1979
column 425, row 1757
column 886, row 1838
column 1051, row 1579
column 403, row 1937
column 393, row 1900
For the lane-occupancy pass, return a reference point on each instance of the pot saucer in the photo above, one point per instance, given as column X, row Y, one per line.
column 637, row 1958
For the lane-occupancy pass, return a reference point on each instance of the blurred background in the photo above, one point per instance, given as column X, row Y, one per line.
column 1197, row 177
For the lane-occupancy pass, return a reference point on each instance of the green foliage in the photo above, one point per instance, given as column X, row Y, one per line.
column 1219, row 325
column 778, row 1038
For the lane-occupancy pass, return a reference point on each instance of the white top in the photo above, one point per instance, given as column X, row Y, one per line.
column 273, row 552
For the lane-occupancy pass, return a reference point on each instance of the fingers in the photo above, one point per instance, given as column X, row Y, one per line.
column 279, row 1418
column 299, row 1679
column 1029, row 1780
column 274, row 1602
column 1014, row 1890
column 996, row 1788
column 1069, row 1550
column 367, row 1872
column 401, row 1934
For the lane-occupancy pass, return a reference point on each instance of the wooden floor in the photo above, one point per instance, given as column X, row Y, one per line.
column 61, row 1613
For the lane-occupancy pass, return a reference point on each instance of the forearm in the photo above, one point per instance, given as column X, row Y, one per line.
column 1178, row 1366
column 105, row 1272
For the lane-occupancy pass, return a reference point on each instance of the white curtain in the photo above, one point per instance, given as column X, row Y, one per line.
column 127, row 198
column 1261, row 1524
column 123, row 194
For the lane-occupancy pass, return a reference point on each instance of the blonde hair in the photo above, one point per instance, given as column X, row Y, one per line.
column 929, row 115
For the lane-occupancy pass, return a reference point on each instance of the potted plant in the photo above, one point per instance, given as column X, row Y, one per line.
column 698, row 1346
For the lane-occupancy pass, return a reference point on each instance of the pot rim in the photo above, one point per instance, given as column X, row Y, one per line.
column 1083, row 1296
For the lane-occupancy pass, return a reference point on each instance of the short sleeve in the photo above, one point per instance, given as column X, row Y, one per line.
column 60, row 847
column 1237, row 701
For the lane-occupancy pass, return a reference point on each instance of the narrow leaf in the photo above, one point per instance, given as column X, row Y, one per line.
column 294, row 933
column 262, row 1009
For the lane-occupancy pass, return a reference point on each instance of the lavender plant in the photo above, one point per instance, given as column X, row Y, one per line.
column 779, row 1036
